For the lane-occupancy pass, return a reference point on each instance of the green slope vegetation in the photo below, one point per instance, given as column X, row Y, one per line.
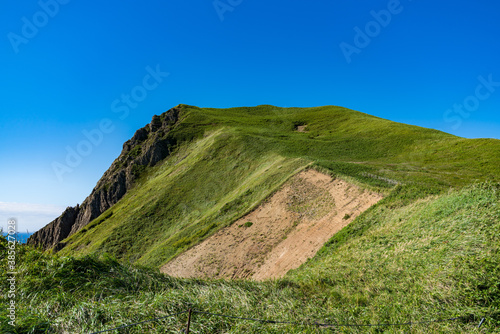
column 438, row 255
column 186, row 199
column 228, row 160
column 435, row 258
column 428, row 251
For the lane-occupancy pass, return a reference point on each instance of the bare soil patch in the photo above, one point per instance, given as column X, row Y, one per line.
column 302, row 128
column 281, row 234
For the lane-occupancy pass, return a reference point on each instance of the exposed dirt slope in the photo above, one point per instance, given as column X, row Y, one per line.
column 281, row 234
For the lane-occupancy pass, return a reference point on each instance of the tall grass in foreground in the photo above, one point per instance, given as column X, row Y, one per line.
column 433, row 259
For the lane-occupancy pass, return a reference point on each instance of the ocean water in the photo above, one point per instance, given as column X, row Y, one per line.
column 21, row 236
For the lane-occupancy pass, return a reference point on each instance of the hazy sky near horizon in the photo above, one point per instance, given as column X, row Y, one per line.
column 79, row 77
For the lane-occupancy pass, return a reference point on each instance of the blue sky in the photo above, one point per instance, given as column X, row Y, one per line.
column 74, row 70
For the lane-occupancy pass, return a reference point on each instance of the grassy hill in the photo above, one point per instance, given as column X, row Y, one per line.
column 229, row 160
column 429, row 250
column 436, row 258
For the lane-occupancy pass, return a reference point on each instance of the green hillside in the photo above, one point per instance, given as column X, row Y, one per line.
column 426, row 254
column 437, row 258
column 228, row 160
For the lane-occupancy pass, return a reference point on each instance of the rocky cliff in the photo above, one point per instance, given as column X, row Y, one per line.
column 146, row 148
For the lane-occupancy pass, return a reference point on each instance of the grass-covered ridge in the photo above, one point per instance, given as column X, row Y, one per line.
column 434, row 258
column 228, row 160
column 185, row 199
column 429, row 250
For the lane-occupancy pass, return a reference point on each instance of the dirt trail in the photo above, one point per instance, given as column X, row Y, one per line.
column 281, row 234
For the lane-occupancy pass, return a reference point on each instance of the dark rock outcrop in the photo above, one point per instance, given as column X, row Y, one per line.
column 146, row 148
column 57, row 230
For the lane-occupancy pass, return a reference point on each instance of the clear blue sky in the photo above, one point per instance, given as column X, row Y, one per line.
column 68, row 66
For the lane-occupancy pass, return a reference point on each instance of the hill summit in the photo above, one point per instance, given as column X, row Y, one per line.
column 194, row 171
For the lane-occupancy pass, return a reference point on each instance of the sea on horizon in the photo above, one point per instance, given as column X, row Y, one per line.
column 21, row 237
